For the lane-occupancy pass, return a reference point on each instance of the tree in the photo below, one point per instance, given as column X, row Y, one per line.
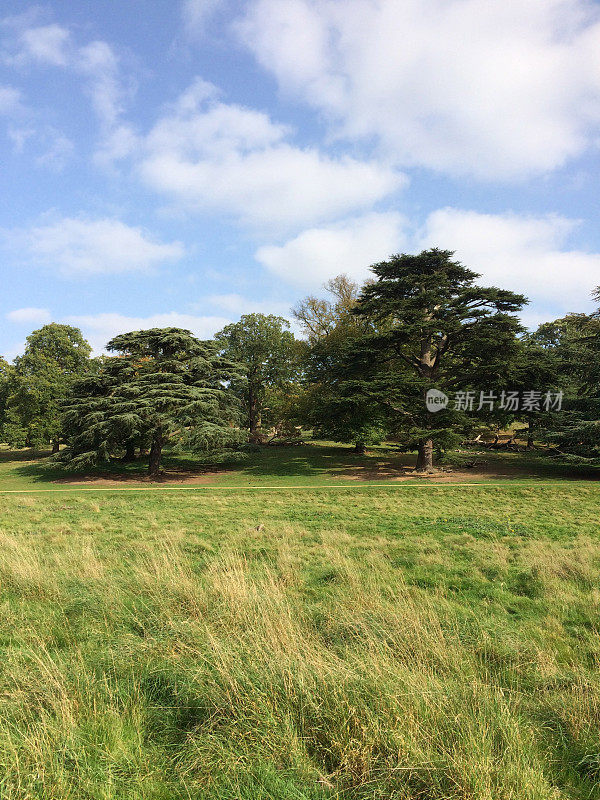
column 342, row 412
column 268, row 352
column 434, row 328
column 318, row 317
column 6, row 378
column 541, row 367
column 164, row 386
column 284, row 410
column 573, row 343
column 54, row 357
column 335, row 404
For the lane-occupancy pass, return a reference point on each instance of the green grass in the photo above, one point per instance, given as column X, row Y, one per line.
column 411, row 643
column 312, row 464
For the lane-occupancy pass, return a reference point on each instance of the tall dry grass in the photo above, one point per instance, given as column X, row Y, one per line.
column 295, row 668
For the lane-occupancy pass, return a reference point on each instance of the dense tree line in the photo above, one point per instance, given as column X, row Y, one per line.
column 362, row 371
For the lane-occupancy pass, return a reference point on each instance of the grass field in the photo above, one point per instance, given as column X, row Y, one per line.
column 413, row 641
column 312, row 464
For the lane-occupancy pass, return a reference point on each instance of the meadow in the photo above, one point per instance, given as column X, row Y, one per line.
column 411, row 640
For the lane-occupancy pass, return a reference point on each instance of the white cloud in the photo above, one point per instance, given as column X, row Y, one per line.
column 36, row 316
column 98, row 329
column 10, row 100
column 350, row 247
column 197, row 13
column 57, row 149
column 94, row 247
column 53, row 45
column 199, row 91
column 491, row 89
column 119, row 143
column 19, row 137
column 215, row 156
column 526, row 254
column 53, row 148
column 49, row 44
column 98, row 61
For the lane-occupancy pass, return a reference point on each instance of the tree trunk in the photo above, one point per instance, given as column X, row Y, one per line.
column 129, row 451
column 254, row 415
column 426, row 370
column 55, row 446
column 155, row 454
column 530, row 433
column 425, row 456
column 360, row 448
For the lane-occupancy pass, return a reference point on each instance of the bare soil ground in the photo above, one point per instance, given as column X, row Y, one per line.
column 369, row 472
column 172, row 476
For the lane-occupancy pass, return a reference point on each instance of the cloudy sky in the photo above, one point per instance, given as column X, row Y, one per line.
column 182, row 163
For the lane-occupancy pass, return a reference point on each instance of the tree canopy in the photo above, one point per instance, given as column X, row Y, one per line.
column 54, row 357
column 335, row 404
column 319, row 317
column 434, row 327
column 163, row 386
column 268, row 352
column 572, row 343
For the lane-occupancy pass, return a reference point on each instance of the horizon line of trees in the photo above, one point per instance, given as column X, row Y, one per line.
column 360, row 375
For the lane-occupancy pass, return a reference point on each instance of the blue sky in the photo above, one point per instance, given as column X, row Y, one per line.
column 182, row 163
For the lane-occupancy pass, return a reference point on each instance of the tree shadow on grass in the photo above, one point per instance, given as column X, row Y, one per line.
column 44, row 472
column 302, row 461
column 28, row 454
column 136, row 472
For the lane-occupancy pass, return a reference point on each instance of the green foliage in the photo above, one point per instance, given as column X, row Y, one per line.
column 54, row 347
column 6, row 373
column 336, row 403
column 54, row 357
column 573, row 345
column 164, row 386
column 432, row 327
column 269, row 355
column 285, row 409
column 341, row 404
column 319, row 317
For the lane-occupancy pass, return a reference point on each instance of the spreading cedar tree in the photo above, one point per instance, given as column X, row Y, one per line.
column 164, row 386
column 433, row 327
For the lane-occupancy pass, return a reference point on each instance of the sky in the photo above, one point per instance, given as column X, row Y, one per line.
column 168, row 162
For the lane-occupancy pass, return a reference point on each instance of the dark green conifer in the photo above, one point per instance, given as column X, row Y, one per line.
column 164, row 386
